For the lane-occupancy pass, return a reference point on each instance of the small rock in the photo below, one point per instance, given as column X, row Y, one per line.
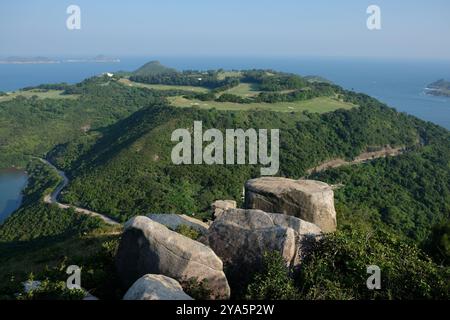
column 156, row 287
column 219, row 206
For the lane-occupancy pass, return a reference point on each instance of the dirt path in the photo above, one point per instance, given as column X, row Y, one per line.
column 53, row 197
column 363, row 157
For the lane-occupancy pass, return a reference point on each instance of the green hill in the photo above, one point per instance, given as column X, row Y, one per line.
column 153, row 68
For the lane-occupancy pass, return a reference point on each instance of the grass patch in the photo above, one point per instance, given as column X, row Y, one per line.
column 245, row 90
column 318, row 105
column 48, row 94
column 163, row 87
column 229, row 74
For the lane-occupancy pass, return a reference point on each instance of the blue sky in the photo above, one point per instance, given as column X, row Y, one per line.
column 410, row 29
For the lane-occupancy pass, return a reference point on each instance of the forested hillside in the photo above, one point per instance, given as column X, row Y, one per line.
column 34, row 125
column 138, row 150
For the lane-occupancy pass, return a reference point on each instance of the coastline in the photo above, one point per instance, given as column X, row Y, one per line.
column 436, row 92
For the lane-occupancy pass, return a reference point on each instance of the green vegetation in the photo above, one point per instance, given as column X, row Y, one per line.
column 38, row 94
column 163, row 87
column 195, row 289
column 52, row 290
column 33, row 126
column 438, row 244
column 112, row 137
column 188, row 232
column 136, row 152
column 410, row 194
column 317, row 79
column 336, row 269
column 44, row 240
column 273, row 282
column 319, row 105
column 35, row 219
column 245, row 90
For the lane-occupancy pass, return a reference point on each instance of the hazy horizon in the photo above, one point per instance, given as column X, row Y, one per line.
column 410, row 29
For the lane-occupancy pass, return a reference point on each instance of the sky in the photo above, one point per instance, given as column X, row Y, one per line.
column 409, row 29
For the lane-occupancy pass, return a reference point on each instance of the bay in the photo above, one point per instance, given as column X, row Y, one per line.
column 12, row 183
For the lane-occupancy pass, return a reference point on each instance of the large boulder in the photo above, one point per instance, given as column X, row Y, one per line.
column 220, row 206
column 309, row 200
column 174, row 221
column 148, row 247
column 241, row 238
column 156, row 287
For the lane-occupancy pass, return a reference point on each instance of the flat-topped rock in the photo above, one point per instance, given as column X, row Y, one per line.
column 156, row 287
column 219, row 206
column 309, row 200
column 174, row 221
column 148, row 247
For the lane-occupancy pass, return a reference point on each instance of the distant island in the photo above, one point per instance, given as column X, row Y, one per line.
column 317, row 79
column 97, row 59
column 439, row 88
column 28, row 60
column 46, row 60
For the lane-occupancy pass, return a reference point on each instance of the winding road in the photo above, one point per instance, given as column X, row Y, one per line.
column 53, row 197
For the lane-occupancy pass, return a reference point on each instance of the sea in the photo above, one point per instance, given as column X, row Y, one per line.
column 12, row 183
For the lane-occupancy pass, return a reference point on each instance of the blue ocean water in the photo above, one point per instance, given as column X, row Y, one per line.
column 399, row 83
column 12, row 182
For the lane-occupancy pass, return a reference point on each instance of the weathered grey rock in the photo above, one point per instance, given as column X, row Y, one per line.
column 309, row 200
column 156, row 287
column 241, row 237
column 220, row 206
column 148, row 247
column 174, row 221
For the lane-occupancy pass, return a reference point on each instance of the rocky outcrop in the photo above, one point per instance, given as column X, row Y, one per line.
column 241, row 237
column 220, row 206
column 174, row 221
column 148, row 247
column 156, row 287
column 309, row 200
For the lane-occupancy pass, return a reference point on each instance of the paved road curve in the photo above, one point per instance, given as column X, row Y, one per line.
column 53, row 198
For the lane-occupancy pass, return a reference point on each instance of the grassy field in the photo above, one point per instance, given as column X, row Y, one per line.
column 231, row 74
column 50, row 94
column 244, row 90
column 162, row 86
column 319, row 105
